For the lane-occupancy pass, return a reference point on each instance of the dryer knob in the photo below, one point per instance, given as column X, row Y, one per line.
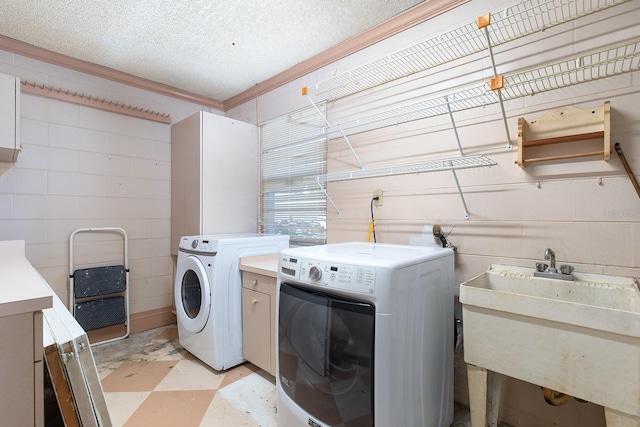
column 194, row 244
column 315, row 273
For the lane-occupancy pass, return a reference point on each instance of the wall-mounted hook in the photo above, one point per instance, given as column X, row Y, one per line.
column 89, row 100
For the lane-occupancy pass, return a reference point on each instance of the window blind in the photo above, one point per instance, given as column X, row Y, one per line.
column 292, row 156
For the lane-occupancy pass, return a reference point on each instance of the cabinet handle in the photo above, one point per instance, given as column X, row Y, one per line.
column 255, row 282
column 254, row 301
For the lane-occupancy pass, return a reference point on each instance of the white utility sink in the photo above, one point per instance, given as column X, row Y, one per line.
column 579, row 337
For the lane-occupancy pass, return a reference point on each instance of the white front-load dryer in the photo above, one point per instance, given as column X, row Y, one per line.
column 208, row 293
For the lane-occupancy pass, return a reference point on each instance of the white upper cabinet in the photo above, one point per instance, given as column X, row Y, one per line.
column 9, row 118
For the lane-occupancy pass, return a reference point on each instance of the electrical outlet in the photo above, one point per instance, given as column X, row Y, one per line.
column 378, row 194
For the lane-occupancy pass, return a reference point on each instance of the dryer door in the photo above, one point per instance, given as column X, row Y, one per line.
column 192, row 294
column 325, row 355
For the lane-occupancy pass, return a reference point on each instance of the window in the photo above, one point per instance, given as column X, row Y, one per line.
column 291, row 157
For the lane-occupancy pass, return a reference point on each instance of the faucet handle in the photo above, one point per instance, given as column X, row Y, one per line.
column 566, row 269
column 540, row 266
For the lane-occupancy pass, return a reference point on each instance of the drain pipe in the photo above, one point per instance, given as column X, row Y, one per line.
column 457, row 333
column 555, row 398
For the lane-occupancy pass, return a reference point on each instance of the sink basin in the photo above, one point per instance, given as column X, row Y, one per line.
column 578, row 337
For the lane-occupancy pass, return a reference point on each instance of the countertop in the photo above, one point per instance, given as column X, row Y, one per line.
column 22, row 289
column 267, row 265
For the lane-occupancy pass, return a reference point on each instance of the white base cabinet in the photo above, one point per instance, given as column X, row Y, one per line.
column 258, row 320
column 22, row 370
column 259, row 276
column 23, row 296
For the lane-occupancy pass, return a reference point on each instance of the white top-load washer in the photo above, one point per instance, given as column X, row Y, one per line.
column 365, row 336
column 208, row 293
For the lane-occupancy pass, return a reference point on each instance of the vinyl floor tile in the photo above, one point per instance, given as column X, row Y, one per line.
column 237, row 373
column 137, row 376
column 123, row 404
column 221, row 413
column 149, row 380
column 189, row 374
column 255, row 397
column 184, row 408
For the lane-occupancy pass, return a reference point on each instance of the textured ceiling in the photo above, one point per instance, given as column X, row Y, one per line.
column 213, row 48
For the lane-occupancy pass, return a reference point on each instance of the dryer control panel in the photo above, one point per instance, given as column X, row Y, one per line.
column 353, row 278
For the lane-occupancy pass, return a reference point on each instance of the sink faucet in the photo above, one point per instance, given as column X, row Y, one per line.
column 550, row 271
column 551, row 256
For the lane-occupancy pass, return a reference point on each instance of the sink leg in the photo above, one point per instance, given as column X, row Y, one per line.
column 477, row 378
column 495, row 389
column 620, row 419
column 484, row 396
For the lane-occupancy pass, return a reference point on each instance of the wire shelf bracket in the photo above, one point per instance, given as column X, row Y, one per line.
column 484, row 22
column 319, row 182
column 304, row 92
column 453, row 171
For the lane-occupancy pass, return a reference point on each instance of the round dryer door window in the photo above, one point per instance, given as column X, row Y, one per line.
column 192, row 294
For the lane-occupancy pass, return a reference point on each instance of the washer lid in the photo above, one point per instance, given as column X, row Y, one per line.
column 192, row 293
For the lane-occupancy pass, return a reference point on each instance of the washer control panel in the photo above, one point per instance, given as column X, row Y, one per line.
column 199, row 245
column 347, row 277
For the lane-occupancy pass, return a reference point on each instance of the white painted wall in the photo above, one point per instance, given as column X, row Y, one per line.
column 586, row 210
column 83, row 167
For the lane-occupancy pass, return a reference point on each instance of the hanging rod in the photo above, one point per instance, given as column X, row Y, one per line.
column 93, row 101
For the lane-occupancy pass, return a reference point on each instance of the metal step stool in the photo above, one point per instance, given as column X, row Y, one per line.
column 99, row 296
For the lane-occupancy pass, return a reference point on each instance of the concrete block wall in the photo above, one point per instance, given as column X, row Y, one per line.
column 87, row 168
column 82, row 167
column 585, row 209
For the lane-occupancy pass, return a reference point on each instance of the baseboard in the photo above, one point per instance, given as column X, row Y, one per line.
column 152, row 319
column 140, row 322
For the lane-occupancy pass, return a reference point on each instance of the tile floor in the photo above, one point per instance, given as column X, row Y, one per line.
column 149, row 380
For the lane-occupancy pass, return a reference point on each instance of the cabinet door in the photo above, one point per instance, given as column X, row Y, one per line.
column 229, row 175
column 185, row 179
column 17, row 370
column 9, row 118
column 256, row 329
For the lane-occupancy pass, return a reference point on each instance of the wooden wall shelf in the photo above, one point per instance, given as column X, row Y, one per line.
column 565, row 124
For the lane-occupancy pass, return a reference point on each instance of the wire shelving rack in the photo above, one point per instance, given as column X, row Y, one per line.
column 511, row 23
column 492, row 29
column 582, row 68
